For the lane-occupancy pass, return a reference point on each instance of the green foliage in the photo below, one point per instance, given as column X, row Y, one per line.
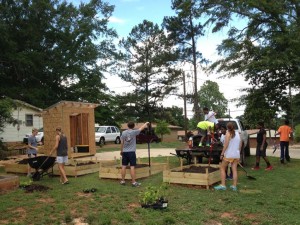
column 297, row 133
column 211, row 97
column 185, row 29
column 153, row 193
column 149, row 65
column 50, row 50
column 6, row 107
column 162, row 128
column 258, row 108
column 264, row 49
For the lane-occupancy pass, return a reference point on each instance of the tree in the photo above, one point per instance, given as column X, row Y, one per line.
column 258, row 108
column 185, row 30
column 6, row 108
column 210, row 96
column 52, row 50
column 265, row 51
column 162, row 128
column 148, row 62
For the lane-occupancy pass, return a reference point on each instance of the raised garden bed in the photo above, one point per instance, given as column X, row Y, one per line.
column 197, row 174
column 141, row 170
column 73, row 168
column 8, row 182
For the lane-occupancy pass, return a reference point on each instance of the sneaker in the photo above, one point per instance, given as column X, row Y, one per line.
column 233, row 188
column 269, row 168
column 282, row 161
column 136, row 184
column 220, row 188
column 255, row 168
column 122, row 182
column 200, row 145
column 207, row 145
column 288, row 159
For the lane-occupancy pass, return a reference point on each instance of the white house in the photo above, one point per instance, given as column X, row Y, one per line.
column 28, row 116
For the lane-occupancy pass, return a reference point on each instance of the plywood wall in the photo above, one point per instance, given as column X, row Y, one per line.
column 59, row 116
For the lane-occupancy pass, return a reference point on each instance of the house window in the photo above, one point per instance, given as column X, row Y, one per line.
column 29, row 120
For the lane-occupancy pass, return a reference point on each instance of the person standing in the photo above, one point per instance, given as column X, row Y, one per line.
column 261, row 147
column 128, row 151
column 285, row 132
column 230, row 154
column 223, row 130
column 32, row 148
column 61, row 148
column 210, row 115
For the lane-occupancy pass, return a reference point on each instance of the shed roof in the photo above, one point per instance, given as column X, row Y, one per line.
column 73, row 104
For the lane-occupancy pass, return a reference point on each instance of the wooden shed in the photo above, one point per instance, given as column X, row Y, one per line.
column 77, row 121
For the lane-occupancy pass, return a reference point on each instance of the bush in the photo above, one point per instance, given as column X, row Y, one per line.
column 297, row 133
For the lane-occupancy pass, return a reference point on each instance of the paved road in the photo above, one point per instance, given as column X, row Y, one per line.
column 154, row 152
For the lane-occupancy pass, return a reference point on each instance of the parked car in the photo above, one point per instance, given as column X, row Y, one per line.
column 105, row 134
column 39, row 137
column 147, row 137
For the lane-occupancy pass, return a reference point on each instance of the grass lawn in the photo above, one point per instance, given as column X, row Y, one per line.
column 274, row 198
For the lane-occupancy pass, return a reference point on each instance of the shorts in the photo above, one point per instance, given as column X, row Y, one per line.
column 129, row 157
column 259, row 152
column 62, row 159
column 231, row 160
column 202, row 132
column 31, row 155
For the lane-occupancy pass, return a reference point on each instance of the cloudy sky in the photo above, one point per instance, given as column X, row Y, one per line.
column 129, row 13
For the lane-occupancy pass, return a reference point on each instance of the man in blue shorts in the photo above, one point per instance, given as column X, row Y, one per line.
column 128, row 151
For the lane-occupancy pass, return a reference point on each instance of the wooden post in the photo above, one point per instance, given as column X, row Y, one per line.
column 181, row 163
column 207, row 177
column 195, row 160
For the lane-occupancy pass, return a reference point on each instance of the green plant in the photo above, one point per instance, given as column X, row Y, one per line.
column 297, row 133
column 153, row 194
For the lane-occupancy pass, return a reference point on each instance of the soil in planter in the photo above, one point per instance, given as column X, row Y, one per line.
column 35, row 187
column 198, row 169
column 137, row 166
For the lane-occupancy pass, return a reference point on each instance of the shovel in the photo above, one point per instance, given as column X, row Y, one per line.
column 249, row 177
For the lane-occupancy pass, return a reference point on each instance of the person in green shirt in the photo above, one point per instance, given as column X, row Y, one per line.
column 205, row 128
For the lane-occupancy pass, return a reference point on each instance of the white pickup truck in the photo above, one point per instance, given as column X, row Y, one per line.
column 193, row 150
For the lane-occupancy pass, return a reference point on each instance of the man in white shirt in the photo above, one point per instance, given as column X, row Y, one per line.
column 210, row 115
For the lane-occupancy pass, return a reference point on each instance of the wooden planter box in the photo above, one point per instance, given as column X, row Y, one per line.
column 114, row 172
column 205, row 179
column 9, row 182
column 74, row 168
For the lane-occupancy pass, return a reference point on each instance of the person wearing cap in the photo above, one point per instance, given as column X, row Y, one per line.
column 261, row 147
column 32, row 148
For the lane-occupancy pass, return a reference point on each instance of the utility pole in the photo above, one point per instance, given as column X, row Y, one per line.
column 184, row 103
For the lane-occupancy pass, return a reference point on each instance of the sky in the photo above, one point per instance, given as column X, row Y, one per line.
column 129, row 13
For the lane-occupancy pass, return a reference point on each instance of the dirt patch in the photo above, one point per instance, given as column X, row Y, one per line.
column 198, row 169
column 45, row 200
column 212, row 222
column 35, row 187
column 228, row 215
column 82, row 194
column 79, row 221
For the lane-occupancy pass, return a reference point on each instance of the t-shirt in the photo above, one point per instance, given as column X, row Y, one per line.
column 233, row 150
column 285, row 132
column 205, row 125
column 210, row 116
column 260, row 136
column 222, row 139
column 128, row 138
column 32, row 141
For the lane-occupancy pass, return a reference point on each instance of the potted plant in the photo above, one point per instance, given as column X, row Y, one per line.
column 154, row 197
